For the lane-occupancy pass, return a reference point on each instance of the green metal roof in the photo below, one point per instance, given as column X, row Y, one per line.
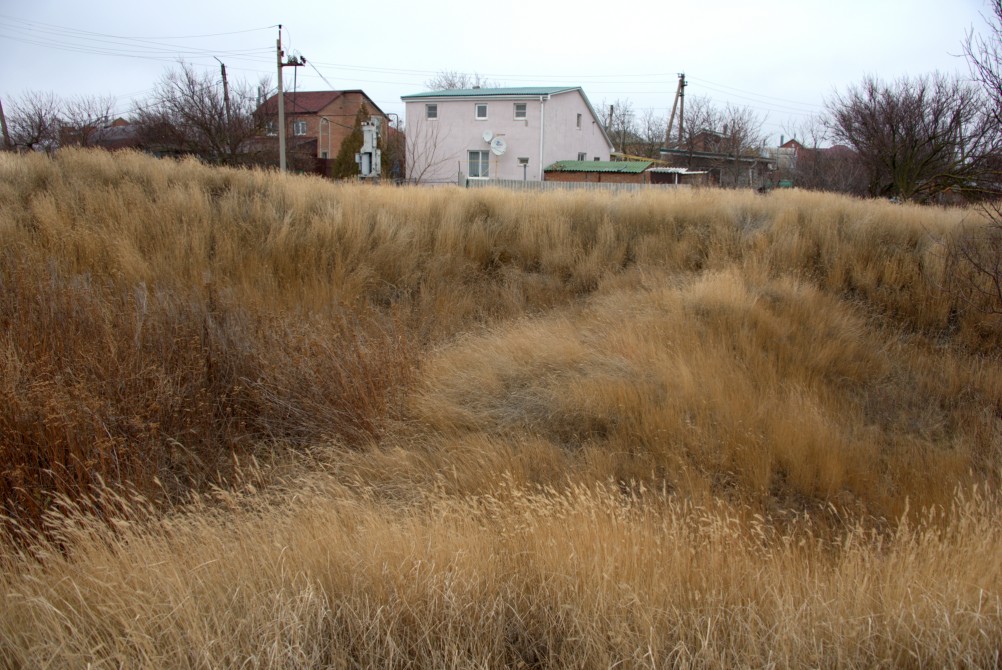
column 630, row 167
column 524, row 91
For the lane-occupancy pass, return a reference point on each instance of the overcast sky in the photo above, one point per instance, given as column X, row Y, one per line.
column 782, row 58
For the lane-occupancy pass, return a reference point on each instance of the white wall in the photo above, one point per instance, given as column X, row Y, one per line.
column 564, row 140
column 438, row 149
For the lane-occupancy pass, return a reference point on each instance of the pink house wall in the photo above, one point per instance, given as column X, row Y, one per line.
column 438, row 148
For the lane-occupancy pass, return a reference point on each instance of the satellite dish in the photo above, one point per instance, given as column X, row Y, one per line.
column 498, row 146
column 488, row 136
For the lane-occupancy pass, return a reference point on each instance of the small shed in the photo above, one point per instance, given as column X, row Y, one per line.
column 606, row 172
column 678, row 176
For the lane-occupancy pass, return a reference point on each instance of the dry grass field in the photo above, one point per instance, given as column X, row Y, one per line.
column 250, row 420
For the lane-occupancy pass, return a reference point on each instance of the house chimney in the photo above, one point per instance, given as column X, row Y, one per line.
column 782, row 140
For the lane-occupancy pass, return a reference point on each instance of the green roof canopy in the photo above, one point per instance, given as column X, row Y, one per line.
column 629, row 167
column 519, row 91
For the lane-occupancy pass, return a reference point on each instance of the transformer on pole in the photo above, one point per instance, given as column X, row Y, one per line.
column 369, row 158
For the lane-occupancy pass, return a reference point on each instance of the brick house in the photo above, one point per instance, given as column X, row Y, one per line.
column 318, row 121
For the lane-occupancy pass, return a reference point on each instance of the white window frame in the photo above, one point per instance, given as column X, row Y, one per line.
column 299, row 127
column 481, row 159
column 431, row 111
column 582, row 156
column 524, row 111
column 271, row 128
column 476, row 111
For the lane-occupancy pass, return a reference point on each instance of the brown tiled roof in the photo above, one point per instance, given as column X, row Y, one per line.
column 309, row 102
column 302, row 102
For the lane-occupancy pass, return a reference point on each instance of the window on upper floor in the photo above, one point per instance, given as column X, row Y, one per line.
column 579, row 122
column 480, row 111
column 521, row 110
column 479, row 164
column 582, row 156
column 431, row 111
column 299, row 127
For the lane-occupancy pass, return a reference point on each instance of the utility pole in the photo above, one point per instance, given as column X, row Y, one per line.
column 682, row 83
column 671, row 119
column 226, row 104
column 292, row 62
column 281, row 106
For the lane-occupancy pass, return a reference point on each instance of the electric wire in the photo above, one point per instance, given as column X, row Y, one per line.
column 156, row 48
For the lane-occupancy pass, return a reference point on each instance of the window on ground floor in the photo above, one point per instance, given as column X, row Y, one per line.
column 479, row 164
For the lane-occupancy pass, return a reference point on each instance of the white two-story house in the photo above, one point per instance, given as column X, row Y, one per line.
column 499, row 133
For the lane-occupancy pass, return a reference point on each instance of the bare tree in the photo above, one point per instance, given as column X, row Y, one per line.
column 424, row 160
column 83, row 119
column 740, row 139
column 725, row 141
column 651, row 129
column 448, row 80
column 974, row 253
column 984, row 55
column 700, row 117
column 188, row 114
column 621, row 123
column 818, row 166
column 974, row 261
column 915, row 138
column 34, row 121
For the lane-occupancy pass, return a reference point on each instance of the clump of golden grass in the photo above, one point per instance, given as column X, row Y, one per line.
column 730, row 384
column 787, row 373
column 335, row 576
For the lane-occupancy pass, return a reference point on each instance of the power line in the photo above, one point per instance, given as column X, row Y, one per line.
column 759, row 95
column 31, row 22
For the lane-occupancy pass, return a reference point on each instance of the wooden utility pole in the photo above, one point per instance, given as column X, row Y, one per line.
column 681, row 107
column 292, row 62
column 682, row 83
column 226, row 107
column 679, row 102
column 671, row 119
column 281, row 106
column 226, row 91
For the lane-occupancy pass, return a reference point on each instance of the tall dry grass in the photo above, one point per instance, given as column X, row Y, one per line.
column 722, row 385
column 328, row 575
column 693, row 428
